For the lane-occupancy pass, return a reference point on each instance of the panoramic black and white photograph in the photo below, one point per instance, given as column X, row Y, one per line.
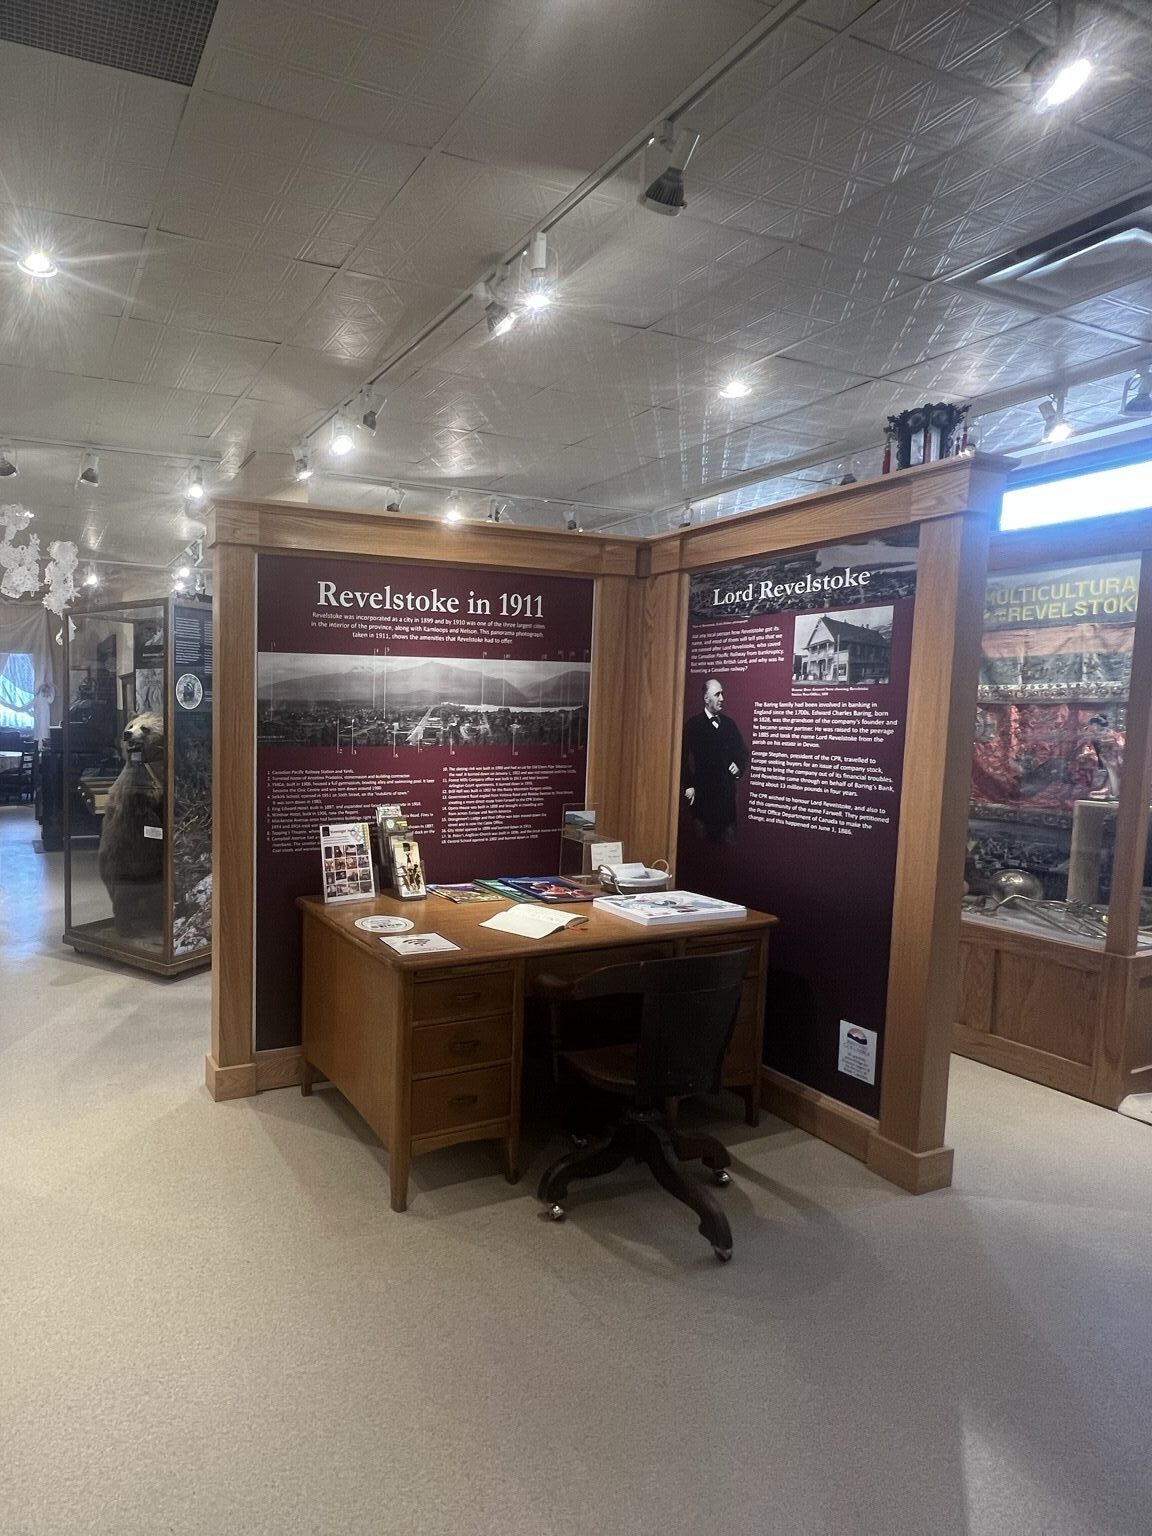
column 411, row 702
column 839, row 649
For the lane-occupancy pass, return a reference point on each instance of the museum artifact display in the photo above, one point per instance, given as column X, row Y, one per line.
column 135, row 761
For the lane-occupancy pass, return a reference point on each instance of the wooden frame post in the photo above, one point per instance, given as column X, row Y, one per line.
column 908, row 1145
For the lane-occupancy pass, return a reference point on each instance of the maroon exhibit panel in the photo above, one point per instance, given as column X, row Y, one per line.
column 459, row 693
column 793, row 742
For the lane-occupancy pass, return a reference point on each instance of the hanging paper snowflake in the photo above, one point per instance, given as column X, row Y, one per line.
column 59, row 576
column 20, row 562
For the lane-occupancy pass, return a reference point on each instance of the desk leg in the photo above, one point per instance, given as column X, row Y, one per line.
column 512, row 1154
column 399, row 1162
column 751, row 1105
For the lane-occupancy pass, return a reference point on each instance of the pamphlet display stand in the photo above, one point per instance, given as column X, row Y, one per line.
column 137, row 763
column 1055, row 980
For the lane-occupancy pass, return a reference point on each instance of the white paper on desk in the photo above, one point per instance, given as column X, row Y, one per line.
column 606, row 853
column 419, row 943
column 532, row 922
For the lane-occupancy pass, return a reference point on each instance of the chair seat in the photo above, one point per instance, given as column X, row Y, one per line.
column 611, row 1068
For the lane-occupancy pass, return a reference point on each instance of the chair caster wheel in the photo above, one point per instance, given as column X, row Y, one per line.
column 557, row 1212
column 722, row 1177
column 723, row 1254
column 579, row 1142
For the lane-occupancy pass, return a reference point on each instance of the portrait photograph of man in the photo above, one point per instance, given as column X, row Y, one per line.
column 713, row 761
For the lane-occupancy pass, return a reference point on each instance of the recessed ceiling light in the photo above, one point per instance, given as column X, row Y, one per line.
column 342, row 442
column 37, row 263
column 1065, row 82
column 735, row 389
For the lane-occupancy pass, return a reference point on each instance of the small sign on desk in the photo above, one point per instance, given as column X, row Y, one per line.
column 419, row 943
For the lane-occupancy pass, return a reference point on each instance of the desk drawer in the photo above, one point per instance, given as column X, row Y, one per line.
column 462, row 1098
column 583, row 961
column 463, row 1043
column 718, row 942
column 462, row 997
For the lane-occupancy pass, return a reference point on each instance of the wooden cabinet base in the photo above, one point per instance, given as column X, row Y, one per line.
column 917, row 1172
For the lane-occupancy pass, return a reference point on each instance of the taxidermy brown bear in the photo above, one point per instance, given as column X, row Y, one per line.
column 131, row 863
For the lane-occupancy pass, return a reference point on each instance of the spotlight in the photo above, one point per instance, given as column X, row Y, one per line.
column 735, row 389
column 368, row 419
column 194, row 490
column 686, row 515
column 1058, row 83
column 666, row 194
column 7, row 463
column 1056, row 429
column 538, row 292
column 89, row 470
column 452, row 512
column 91, row 578
column 177, row 586
column 395, row 496
column 499, row 316
column 302, row 462
column 37, row 263
column 1137, row 397
column 498, row 512
column 572, row 524
column 342, row 441
column 183, row 572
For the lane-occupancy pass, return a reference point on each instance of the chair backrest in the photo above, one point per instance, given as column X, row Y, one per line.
column 689, row 1007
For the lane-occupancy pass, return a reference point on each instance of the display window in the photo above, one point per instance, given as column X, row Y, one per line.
column 1048, row 749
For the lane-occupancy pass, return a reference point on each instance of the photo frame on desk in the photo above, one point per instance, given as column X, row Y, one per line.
column 407, row 867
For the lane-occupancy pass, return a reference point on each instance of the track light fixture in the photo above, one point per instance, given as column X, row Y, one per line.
column 302, row 462
column 342, row 440
column 686, row 515
column 8, row 465
column 665, row 194
column 572, row 523
column 1056, row 428
column 537, row 293
column 1137, row 397
column 452, row 509
column 499, row 315
column 89, row 470
column 38, row 263
column 498, row 512
column 194, row 489
column 370, row 411
column 91, row 577
column 395, row 496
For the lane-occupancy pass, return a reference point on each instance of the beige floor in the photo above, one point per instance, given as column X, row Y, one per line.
column 213, row 1323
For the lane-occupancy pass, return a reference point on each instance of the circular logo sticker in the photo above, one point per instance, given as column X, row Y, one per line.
column 189, row 690
column 384, row 924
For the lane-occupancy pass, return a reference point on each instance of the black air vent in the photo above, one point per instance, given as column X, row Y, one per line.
column 163, row 38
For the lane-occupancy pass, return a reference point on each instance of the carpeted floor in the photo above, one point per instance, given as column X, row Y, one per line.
column 212, row 1323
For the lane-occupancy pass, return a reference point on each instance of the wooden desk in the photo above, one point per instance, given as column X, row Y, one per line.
column 429, row 1048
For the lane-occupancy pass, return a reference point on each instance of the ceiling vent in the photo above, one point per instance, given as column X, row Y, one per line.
column 162, row 38
column 1074, row 264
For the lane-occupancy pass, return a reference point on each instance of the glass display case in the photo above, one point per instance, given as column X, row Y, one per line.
column 137, row 783
column 1048, row 754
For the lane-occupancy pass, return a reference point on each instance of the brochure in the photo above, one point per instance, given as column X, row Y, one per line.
column 419, row 943
column 463, row 893
column 532, row 922
column 669, row 907
column 547, row 888
column 407, row 870
column 346, row 861
column 502, row 889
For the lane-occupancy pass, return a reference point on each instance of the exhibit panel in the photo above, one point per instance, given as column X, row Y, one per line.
column 136, row 768
column 1056, row 936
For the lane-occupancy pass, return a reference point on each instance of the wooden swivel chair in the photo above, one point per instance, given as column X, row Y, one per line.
column 687, row 1008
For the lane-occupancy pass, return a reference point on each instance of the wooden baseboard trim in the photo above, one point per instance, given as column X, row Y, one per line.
column 283, row 1068
column 229, row 1082
column 917, row 1172
column 1037, row 1066
column 817, row 1113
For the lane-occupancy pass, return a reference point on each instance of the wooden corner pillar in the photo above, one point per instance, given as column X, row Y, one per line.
column 907, row 1146
column 230, row 1069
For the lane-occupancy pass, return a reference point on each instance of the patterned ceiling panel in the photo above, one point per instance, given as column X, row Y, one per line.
column 207, row 287
column 1038, row 350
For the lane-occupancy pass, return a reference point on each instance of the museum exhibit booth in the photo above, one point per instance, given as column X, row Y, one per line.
column 1056, row 934
column 135, row 768
column 779, row 704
